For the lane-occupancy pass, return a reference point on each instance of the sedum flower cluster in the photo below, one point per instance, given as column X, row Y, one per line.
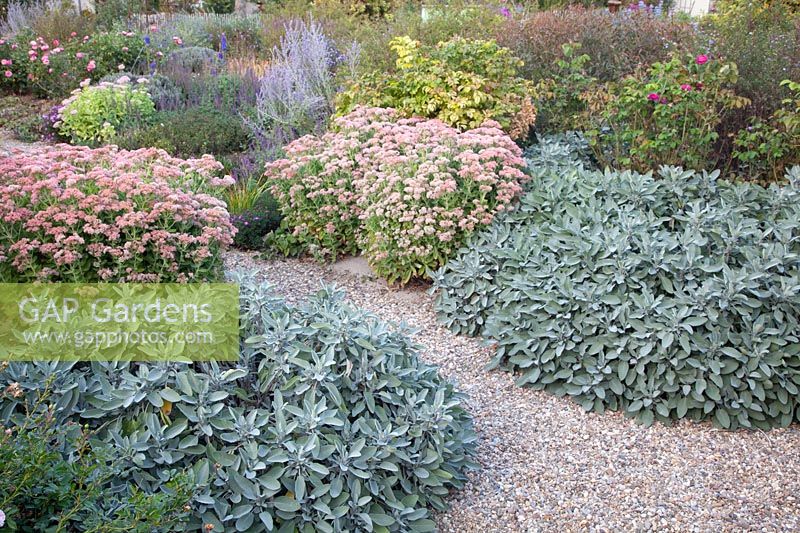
column 404, row 192
column 73, row 214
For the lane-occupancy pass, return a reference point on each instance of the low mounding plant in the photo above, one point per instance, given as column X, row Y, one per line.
column 95, row 113
column 52, row 478
column 666, row 116
column 663, row 297
column 190, row 133
column 405, row 192
column 461, row 82
column 328, row 422
column 72, row 214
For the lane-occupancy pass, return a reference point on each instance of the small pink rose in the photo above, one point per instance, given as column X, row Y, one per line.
column 686, row 87
column 8, row 74
column 702, row 59
column 653, row 97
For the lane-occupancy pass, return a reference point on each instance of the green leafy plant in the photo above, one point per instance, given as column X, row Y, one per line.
column 54, row 478
column 95, row 113
column 328, row 422
column 764, row 151
column 462, row 82
column 663, row 297
column 667, row 115
column 559, row 99
column 189, row 133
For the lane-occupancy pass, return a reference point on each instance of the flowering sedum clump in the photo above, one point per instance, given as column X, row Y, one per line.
column 404, row 192
column 72, row 214
column 95, row 113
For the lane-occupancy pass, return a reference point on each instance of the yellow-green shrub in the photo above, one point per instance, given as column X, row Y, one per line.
column 462, row 82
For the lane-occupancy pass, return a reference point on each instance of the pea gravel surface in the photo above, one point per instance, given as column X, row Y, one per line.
column 546, row 465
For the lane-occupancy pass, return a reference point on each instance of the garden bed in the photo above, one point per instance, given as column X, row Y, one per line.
column 546, row 465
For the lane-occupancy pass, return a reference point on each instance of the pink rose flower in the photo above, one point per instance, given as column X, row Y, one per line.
column 8, row 74
column 653, row 97
column 91, row 66
column 702, row 59
column 686, row 87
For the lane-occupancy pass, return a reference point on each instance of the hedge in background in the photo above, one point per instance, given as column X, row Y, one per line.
column 329, row 422
column 405, row 192
column 664, row 297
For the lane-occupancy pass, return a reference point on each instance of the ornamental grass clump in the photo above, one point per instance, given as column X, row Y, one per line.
column 404, row 192
column 664, row 296
column 72, row 214
column 328, row 422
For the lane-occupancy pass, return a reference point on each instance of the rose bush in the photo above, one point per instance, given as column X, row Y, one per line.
column 667, row 115
column 405, row 192
column 73, row 214
column 52, row 68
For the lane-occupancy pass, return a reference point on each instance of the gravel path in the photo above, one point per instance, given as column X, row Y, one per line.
column 548, row 466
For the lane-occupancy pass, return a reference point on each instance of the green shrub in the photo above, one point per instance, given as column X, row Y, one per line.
column 328, row 422
column 666, row 297
column 192, row 132
column 53, row 479
column 560, row 100
column 667, row 115
column 765, row 150
column 52, row 68
column 461, row 82
column 95, row 113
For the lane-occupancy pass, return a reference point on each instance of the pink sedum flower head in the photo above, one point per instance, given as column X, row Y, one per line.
column 404, row 192
column 82, row 215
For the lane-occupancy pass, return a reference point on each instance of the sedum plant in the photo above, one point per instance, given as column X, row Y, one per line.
column 78, row 215
column 663, row 297
column 405, row 192
column 328, row 422
column 94, row 114
column 461, row 82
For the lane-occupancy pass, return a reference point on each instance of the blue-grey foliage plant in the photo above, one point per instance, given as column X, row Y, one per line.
column 667, row 296
column 296, row 95
column 328, row 422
